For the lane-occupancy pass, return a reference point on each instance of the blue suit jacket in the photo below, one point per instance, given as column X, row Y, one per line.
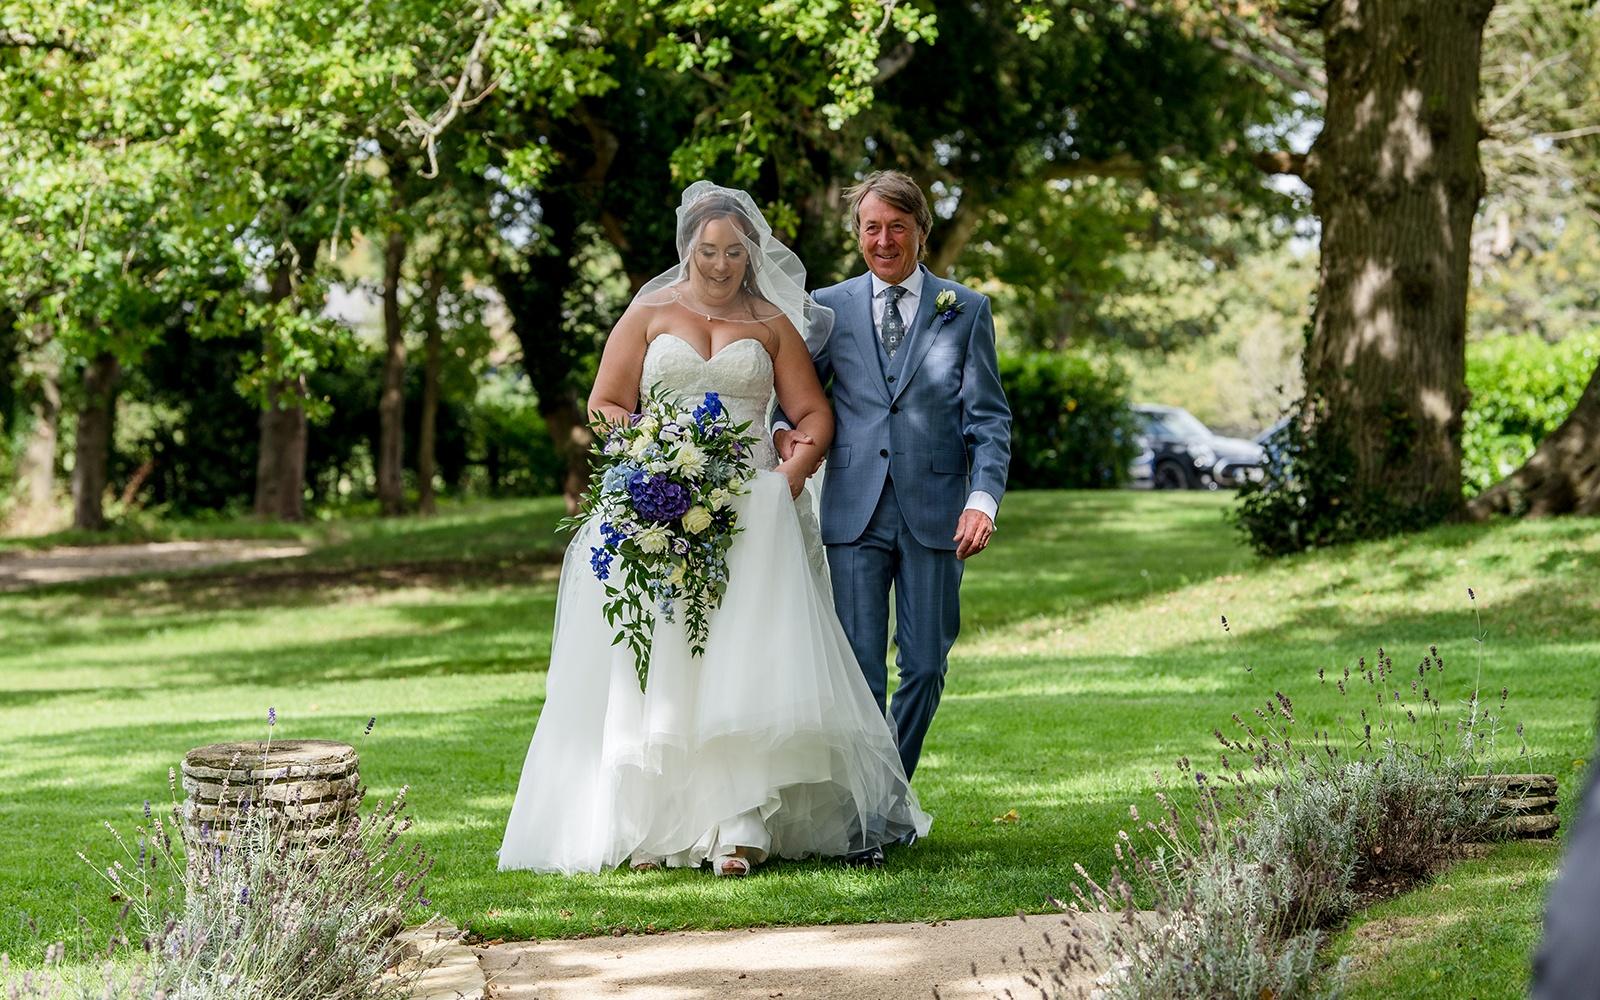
column 941, row 427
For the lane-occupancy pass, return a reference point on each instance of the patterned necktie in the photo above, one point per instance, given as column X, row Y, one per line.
column 892, row 329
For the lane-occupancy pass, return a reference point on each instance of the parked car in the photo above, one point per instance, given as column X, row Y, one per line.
column 1178, row 452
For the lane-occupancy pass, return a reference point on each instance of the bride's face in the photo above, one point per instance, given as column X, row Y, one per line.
column 718, row 261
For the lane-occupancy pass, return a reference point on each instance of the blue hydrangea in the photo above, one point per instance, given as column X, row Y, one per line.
column 657, row 498
column 615, row 478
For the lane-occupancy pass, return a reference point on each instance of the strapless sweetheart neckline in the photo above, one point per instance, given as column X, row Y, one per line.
column 716, row 354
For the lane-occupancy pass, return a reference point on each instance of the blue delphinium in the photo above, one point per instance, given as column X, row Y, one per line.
column 709, row 410
column 600, row 562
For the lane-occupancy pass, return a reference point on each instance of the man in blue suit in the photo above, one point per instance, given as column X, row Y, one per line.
column 921, row 446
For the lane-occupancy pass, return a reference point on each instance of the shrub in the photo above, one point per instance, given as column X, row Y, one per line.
column 1070, row 423
column 1521, row 388
column 1280, row 841
column 265, row 915
column 517, row 453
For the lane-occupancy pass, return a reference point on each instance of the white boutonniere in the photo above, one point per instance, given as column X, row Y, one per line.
column 946, row 306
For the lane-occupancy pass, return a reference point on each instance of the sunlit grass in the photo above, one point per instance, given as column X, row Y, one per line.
column 1091, row 656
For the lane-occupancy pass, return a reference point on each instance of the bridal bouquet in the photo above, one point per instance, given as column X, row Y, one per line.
column 662, row 487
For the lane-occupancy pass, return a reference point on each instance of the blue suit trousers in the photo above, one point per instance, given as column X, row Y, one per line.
column 927, row 589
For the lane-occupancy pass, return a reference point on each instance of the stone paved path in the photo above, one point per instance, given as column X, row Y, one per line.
column 847, row 962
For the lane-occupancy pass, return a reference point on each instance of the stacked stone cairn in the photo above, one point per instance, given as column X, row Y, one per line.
column 1527, row 802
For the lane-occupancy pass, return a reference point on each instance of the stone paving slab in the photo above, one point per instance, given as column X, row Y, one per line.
column 845, row 962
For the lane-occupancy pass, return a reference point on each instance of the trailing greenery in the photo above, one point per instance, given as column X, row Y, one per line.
column 1522, row 389
column 1070, row 423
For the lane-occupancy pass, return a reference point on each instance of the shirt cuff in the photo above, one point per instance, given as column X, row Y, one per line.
column 979, row 500
column 780, row 425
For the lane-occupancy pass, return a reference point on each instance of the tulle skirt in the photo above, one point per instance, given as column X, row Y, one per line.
column 770, row 740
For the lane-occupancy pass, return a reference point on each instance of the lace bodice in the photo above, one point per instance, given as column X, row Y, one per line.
column 740, row 374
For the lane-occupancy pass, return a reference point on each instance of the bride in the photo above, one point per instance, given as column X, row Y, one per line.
column 770, row 744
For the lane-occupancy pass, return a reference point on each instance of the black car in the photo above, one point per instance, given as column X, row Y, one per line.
column 1178, row 452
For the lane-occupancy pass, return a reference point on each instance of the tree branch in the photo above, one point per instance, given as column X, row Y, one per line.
column 427, row 130
column 1120, row 165
column 1280, row 162
column 1301, row 74
column 893, row 62
column 1282, row 72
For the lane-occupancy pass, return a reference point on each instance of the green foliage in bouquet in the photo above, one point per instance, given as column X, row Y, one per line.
column 661, row 495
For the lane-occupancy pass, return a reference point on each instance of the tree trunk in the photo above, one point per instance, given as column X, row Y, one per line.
column 952, row 237
column 392, row 402
column 36, row 469
column 1563, row 474
column 432, row 351
column 1396, row 181
column 281, row 457
column 93, row 449
column 548, row 356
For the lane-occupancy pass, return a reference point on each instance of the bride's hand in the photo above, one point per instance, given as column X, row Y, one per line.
column 796, row 474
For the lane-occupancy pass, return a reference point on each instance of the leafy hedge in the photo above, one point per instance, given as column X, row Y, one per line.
column 1070, row 422
column 1522, row 389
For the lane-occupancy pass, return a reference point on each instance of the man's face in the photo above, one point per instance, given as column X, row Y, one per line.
column 889, row 239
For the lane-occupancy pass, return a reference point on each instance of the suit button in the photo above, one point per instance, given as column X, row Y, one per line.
column 894, row 409
column 891, row 378
column 883, row 452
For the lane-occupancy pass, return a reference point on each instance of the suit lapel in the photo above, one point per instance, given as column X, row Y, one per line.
column 861, row 336
column 924, row 329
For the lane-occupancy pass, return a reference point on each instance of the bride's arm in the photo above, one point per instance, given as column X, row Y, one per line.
column 616, row 385
column 801, row 398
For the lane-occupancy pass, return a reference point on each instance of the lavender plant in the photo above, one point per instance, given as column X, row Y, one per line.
column 1279, row 842
column 253, row 908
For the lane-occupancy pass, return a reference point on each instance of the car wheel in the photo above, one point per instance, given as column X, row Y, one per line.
column 1169, row 476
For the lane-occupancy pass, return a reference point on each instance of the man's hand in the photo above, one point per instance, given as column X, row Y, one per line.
column 972, row 533
column 786, row 440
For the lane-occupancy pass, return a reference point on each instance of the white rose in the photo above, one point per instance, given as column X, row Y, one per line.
column 648, row 426
column 690, row 459
column 719, row 498
column 653, row 540
column 639, row 447
column 696, row 519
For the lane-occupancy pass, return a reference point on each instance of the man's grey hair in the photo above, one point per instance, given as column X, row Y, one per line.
column 898, row 191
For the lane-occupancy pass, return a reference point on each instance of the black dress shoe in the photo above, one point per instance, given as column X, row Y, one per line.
column 872, row 857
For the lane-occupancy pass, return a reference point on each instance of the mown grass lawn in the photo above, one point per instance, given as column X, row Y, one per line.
column 1091, row 658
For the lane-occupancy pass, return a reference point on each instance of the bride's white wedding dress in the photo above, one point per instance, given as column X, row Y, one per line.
column 770, row 740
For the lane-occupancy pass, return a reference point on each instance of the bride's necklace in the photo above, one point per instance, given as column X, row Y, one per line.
column 694, row 308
